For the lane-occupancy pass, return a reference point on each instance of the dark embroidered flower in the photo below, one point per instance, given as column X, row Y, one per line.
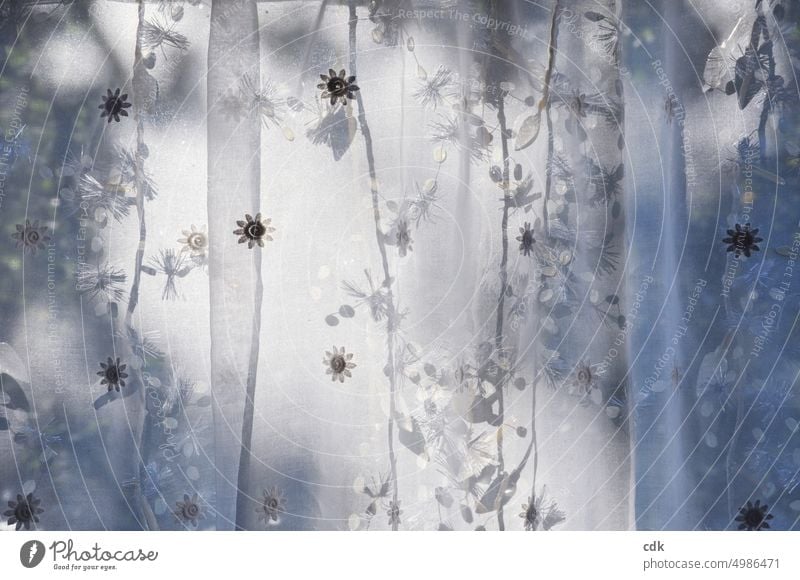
column 195, row 241
column 404, row 241
column 271, row 506
column 742, row 240
column 394, row 512
column 337, row 86
column 254, row 230
column 189, row 510
column 114, row 105
column 538, row 512
column 754, row 517
column 584, row 379
column 23, row 512
column 338, row 363
column 31, row 237
column 526, row 240
column 113, row 374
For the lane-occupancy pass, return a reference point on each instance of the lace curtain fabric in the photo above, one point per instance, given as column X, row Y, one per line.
column 395, row 265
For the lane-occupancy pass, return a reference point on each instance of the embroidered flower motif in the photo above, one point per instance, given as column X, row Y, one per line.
column 262, row 99
column 584, row 382
column 742, row 240
column 539, row 513
column 189, row 510
column 457, row 131
column 337, row 86
column 376, row 298
column 173, row 265
column 103, row 283
column 114, row 105
column 158, row 33
column 403, row 237
column 271, row 506
column 754, row 517
column 525, row 239
column 432, row 90
column 254, row 230
column 31, row 237
column 113, row 374
column 104, row 200
column 394, row 512
column 583, row 375
column 24, row 512
column 338, row 363
column 195, row 241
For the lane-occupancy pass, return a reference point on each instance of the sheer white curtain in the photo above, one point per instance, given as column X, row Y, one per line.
column 438, row 409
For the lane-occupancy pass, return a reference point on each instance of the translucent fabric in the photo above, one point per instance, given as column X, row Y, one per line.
column 398, row 265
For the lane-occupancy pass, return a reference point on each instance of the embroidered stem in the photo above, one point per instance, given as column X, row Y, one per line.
column 387, row 279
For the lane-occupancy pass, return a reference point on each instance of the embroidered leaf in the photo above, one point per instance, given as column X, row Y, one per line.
column 594, row 16
column 527, row 131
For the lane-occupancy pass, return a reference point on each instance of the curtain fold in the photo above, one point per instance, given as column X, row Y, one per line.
column 236, row 288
